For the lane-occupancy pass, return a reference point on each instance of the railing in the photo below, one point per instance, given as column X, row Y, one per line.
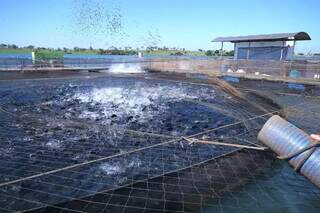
column 293, row 69
column 283, row 69
column 21, row 63
column 15, row 62
column 304, row 69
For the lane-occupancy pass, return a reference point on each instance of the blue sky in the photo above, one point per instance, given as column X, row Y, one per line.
column 191, row 24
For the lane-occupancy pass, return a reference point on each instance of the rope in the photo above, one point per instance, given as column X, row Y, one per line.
column 136, row 150
column 109, row 126
column 129, row 152
column 132, row 183
column 82, row 164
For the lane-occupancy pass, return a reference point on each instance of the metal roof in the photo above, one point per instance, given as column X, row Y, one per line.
column 269, row 37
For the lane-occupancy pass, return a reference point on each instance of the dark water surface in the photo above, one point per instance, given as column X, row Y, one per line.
column 53, row 123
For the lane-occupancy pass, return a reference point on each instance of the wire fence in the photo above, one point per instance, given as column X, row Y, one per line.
column 95, row 61
column 294, row 69
column 259, row 68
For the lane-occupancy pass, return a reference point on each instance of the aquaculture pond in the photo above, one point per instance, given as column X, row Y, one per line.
column 122, row 144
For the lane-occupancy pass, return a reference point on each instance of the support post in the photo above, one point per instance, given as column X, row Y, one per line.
column 291, row 59
column 221, row 51
column 33, row 56
column 294, row 46
column 281, row 53
column 248, row 52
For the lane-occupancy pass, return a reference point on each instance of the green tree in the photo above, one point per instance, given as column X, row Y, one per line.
column 13, row 46
column 101, row 51
column 177, row 53
column 229, row 53
column 30, row 46
column 209, row 53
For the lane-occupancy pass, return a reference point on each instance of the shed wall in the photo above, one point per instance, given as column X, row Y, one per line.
column 272, row 50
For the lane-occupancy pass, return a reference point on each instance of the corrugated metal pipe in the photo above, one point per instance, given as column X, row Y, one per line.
column 291, row 143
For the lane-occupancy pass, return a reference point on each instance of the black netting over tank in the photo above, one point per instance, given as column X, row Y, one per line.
column 128, row 144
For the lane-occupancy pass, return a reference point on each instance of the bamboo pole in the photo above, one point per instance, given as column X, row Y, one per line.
column 194, row 140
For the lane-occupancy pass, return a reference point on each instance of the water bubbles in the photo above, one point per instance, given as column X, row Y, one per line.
column 126, row 69
column 27, row 138
column 54, row 144
column 120, row 167
column 88, row 114
column 112, row 169
column 138, row 102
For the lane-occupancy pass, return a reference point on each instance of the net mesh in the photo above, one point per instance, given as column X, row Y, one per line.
column 137, row 168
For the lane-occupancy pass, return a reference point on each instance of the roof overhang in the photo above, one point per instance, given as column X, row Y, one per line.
column 299, row 36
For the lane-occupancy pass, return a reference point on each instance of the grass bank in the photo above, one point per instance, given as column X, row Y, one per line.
column 14, row 51
column 174, row 52
column 103, row 52
column 28, row 51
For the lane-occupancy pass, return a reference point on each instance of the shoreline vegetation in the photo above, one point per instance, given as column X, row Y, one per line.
column 161, row 51
column 151, row 51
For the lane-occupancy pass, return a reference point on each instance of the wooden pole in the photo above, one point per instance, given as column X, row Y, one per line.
column 193, row 140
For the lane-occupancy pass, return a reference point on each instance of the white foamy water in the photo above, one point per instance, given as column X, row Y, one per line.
column 110, row 169
column 118, row 167
column 140, row 100
column 86, row 114
column 126, row 69
column 54, row 144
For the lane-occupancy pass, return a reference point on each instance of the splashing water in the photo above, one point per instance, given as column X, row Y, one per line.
column 116, row 168
column 137, row 101
column 110, row 169
column 97, row 17
column 54, row 144
column 126, row 69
